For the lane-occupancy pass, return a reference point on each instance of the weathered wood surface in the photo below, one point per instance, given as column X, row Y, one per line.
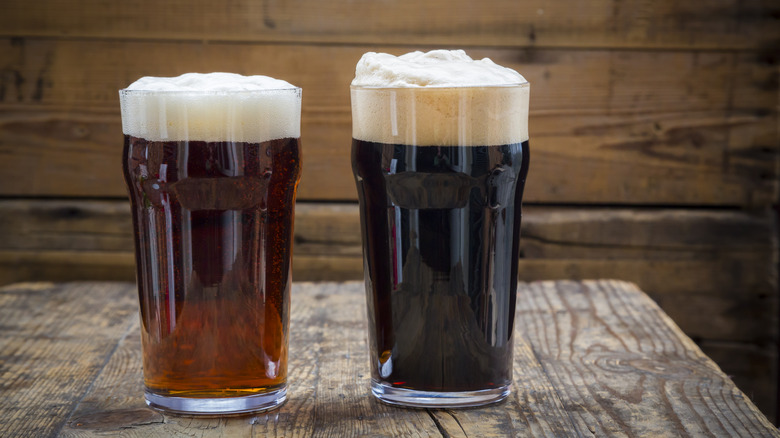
column 712, row 271
column 88, row 73
column 632, row 127
column 601, row 23
column 595, row 358
column 54, row 341
column 609, row 350
column 691, row 261
column 635, row 104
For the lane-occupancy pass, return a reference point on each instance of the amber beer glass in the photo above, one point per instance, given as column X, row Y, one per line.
column 212, row 163
column 440, row 171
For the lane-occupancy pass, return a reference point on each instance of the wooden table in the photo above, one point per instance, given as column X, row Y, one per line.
column 594, row 358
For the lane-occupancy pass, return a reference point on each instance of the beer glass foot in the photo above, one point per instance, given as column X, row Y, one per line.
column 217, row 406
column 431, row 399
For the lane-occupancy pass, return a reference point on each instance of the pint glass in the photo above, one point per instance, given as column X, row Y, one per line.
column 440, row 173
column 212, row 163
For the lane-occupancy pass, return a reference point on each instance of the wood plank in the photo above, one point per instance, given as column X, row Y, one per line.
column 724, row 310
column 656, row 233
column 687, row 260
column 744, row 313
column 29, row 265
column 333, row 316
column 712, row 271
column 527, row 410
column 663, row 234
column 607, row 127
column 55, row 340
column 66, row 225
column 66, row 266
column 622, row 368
column 739, row 361
column 88, row 73
column 608, row 356
column 328, row 384
column 670, row 159
column 601, row 23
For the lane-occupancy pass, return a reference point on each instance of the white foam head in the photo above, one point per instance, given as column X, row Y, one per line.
column 438, row 98
column 211, row 107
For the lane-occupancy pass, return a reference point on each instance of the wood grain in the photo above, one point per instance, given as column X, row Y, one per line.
column 593, row 358
column 714, row 310
column 622, row 368
column 325, row 399
column 607, row 127
column 328, row 228
column 55, row 340
column 532, row 409
column 88, row 74
column 711, row 270
column 668, row 159
column 739, row 360
column 655, row 122
column 600, row 23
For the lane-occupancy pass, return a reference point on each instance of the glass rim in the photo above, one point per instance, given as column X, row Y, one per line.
column 439, row 88
column 211, row 92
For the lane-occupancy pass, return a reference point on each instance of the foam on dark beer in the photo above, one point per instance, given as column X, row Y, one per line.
column 438, row 98
column 211, row 107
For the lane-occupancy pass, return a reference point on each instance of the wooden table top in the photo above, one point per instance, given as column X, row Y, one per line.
column 593, row 358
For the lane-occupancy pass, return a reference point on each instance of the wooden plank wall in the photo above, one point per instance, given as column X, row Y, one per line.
column 654, row 133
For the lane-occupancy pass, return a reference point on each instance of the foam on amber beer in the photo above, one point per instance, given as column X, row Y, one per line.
column 425, row 98
column 211, row 107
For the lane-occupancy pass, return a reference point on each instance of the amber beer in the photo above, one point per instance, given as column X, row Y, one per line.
column 213, row 225
column 440, row 173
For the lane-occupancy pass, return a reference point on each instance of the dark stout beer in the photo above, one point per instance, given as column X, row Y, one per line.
column 442, row 287
column 213, row 234
column 440, row 156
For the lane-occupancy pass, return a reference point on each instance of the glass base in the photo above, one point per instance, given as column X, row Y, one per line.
column 430, row 399
column 217, row 406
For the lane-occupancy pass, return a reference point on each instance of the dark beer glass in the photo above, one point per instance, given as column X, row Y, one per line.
column 440, row 175
column 212, row 178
